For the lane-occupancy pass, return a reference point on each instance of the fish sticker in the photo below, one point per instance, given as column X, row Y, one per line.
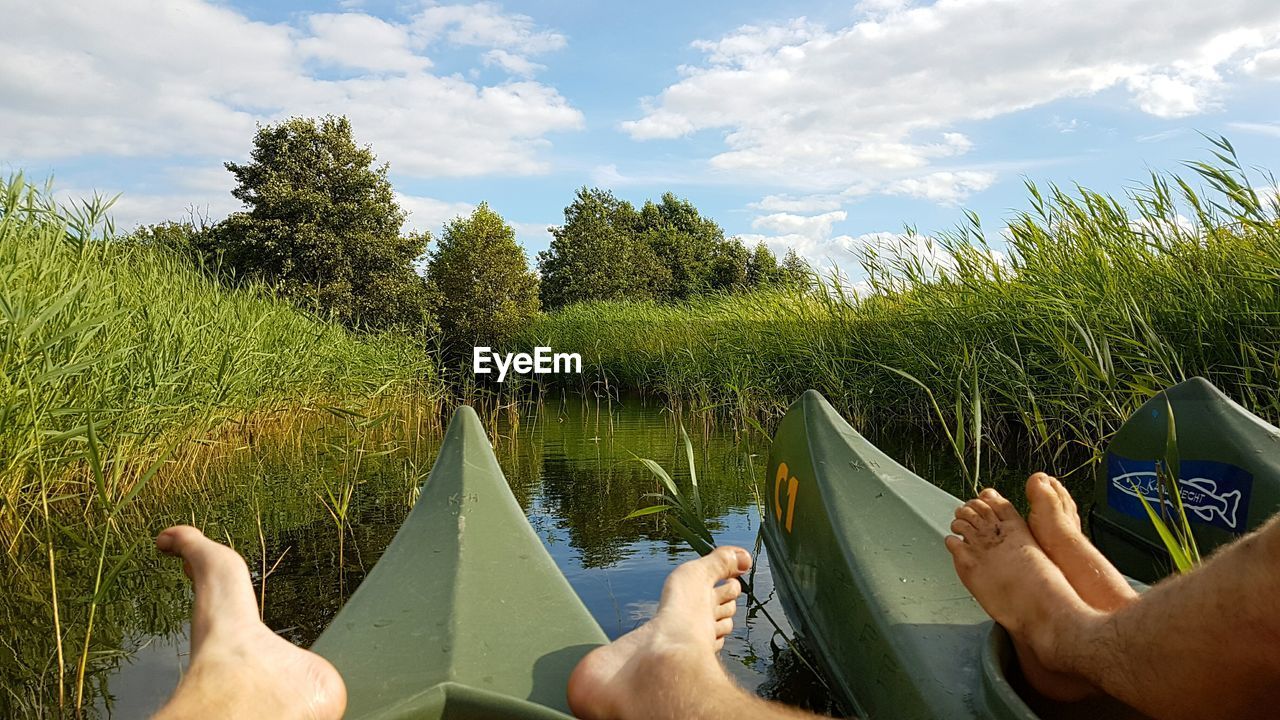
column 1199, row 495
column 1213, row 493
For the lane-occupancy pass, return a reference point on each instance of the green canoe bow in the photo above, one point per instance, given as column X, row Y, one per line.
column 465, row 615
column 1229, row 476
column 855, row 549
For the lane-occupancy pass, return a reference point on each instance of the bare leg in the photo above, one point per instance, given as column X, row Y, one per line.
column 996, row 552
column 1055, row 523
column 1204, row 644
column 668, row 667
column 239, row 668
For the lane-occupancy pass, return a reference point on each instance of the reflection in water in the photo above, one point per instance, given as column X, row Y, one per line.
column 571, row 467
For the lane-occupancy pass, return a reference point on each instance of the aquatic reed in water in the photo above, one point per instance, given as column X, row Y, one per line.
column 1093, row 304
column 120, row 367
column 683, row 511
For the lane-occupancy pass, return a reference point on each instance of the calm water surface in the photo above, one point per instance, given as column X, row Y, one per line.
column 571, row 465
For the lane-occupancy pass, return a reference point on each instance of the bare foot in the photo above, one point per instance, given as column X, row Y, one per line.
column 239, row 668
column 632, row 676
column 998, row 560
column 1055, row 523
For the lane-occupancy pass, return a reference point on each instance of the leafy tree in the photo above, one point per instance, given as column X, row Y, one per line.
column 762, row 267
column 688, row 245
column 795, row 271
column 665, row 251
column 480, row 275
column 323, row 226
column 184, row 238
column 596, row 254
column 728, row 268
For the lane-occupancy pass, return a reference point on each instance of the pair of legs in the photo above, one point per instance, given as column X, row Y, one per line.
column 1203, row 645
column 669, row 667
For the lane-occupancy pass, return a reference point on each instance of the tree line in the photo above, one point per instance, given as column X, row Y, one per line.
column 322, row 227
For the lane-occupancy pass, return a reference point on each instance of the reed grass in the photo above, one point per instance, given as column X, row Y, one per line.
column 147, row 345
column 125, row 375
column 1052, row 338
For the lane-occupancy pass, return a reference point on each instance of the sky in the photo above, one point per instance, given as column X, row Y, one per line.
column 818, row 126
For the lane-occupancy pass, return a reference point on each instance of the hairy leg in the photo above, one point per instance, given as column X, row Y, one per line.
column 1204, row 644
column 239, row 668
column 668, row 668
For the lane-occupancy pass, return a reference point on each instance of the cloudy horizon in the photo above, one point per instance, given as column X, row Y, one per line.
column 820, row 128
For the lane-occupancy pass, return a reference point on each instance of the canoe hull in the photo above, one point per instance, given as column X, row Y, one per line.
column 855, row 545
column 465, row 612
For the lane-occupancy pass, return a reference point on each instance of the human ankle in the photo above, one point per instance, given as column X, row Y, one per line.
column 1055, row 637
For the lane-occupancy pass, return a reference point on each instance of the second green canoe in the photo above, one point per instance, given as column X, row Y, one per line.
column 855, row 549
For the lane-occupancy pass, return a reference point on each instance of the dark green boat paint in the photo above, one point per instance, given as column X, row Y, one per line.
column 865, row 578
column 465, row 615
column 1230, row 469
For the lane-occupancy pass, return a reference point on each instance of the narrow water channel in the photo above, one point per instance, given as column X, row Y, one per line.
column 572, row 466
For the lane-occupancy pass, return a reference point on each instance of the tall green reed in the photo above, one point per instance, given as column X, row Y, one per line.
column 1047, row 336
column 120, row 366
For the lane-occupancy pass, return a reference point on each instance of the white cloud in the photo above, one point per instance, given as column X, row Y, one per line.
column 430, row 214
column 1265, row 64
column 1272, row 129
column 78, row 80
column 360, row 42
column 806, row 106
column 817, row 226
column 485, row 25
column 789, row 203
column 943, row 187
column 512, row 63
column 1173, row 96
column 809, row 235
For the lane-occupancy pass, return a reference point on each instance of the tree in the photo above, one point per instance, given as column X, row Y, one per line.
column 482, row 280
column 183, row 238
column 795, row 271
column 727, row 271
column 323, row 226
column 762, row 267
column 596, row 254
column 690, row 247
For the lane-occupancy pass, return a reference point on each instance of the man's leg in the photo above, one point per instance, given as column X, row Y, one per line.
column 239, row 668
column 668, row 668
column 1206, row 644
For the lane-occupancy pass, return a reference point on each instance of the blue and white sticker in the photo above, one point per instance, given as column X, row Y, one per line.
column 1213, row 493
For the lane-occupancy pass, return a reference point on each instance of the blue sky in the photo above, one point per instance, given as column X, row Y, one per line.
column 821, row 126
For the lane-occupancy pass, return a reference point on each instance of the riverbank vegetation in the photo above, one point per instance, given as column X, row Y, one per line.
column 250, row 375
column 129, row 378
column 1094, row 304
column 140, row 344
